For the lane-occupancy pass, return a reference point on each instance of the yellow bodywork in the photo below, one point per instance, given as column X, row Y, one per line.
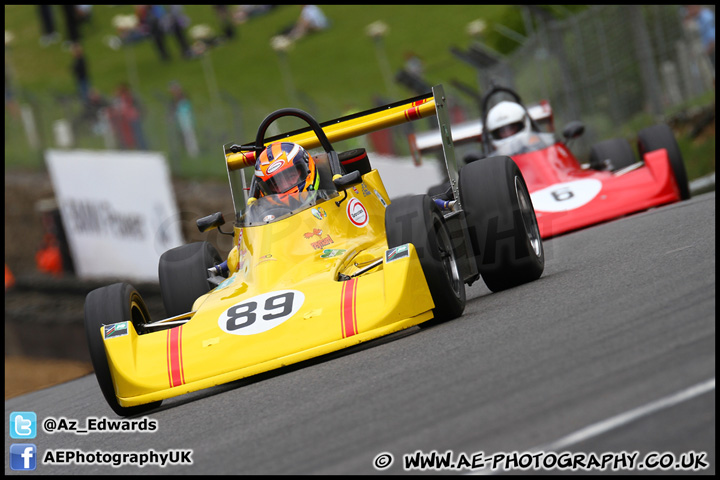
column 245, row 326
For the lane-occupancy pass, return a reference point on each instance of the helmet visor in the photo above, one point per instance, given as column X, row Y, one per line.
column 285, row 179
column 507, row 130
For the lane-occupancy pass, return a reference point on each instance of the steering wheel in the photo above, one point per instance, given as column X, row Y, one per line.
column 495, row 89
column 333, row 159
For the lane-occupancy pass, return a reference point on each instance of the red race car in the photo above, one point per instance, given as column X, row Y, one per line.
column 566, row 195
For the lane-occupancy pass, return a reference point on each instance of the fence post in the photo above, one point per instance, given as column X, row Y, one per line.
column 644, row 52
column 557, row 46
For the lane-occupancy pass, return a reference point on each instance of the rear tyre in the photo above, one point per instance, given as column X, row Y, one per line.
column 355, row 159
column 616, row 151
column 105, row 306
column 502, row 225
column 184, row 277
column 661, row 136
column 418, row 220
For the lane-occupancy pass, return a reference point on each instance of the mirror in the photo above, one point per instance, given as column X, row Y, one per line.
column 347, row 181
column 211, row 221
column 573, row 130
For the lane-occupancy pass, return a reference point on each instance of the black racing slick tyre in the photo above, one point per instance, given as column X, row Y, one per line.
column 184, row 277
column 418, row 220
column 661, row 136
column 501, row 221
column 105, row 306
column 616, row 151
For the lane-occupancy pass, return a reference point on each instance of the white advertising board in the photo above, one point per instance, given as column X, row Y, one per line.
column 118, row 210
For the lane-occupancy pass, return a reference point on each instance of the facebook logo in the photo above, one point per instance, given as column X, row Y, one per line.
column 23, row 456
column 23, row 425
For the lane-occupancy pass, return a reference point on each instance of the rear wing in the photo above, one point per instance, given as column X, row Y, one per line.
column 350, row 126
column 471, row 131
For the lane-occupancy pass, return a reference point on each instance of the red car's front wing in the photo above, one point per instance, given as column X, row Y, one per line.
column 566, row 197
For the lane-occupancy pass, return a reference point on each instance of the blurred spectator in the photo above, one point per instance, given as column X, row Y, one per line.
column 414, row 64
column 127, row 119
column 71, row 23
column 47, row 22
column 150, row 22
column 225, row 17
column 156, row 22
column 245, row 12
column 80, row 71
column 704, row 19
column 176, row 24
column 83, row 13
column 11, row 103
column 183, row 119
column 312, row 19
column 9, row 278
column 94, row 112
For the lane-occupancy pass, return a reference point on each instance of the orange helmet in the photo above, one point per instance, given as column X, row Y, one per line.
column 285, row 167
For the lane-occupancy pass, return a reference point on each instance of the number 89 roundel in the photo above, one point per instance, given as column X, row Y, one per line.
column 261, row 313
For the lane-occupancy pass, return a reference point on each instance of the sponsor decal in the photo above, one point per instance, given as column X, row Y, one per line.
column 227, row 282
column 268, row 218
column 275, row 166
column 319, row 213
column 318, row 244
column 397, row 253
column 176, row 373
column 562, row 197
column 330, row 253
column 115, row 330
column 562, row 152
column 100, row 218
column 348, row 308
column 357, row 213
column 316, row 231
column 324, row 242
column 365, row 189
column 261, row 313
column 265, row 258
column 357, row 192
column 380, row 197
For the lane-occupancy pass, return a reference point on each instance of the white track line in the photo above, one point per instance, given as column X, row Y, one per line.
column 619, row 420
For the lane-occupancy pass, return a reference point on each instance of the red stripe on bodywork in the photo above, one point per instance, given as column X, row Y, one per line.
column 182, row 367
column 176, row 375
column 412, row 113
column 348, row 316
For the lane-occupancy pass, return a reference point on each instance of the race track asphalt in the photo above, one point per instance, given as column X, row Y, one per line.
column 614, row 345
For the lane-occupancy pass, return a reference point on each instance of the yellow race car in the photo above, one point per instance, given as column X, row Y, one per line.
column 314, row 271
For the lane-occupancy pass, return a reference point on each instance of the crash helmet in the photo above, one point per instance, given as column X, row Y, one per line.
column 505, row 120
column 284, row 168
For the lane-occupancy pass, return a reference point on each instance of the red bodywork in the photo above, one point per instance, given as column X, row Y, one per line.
column 567, row 197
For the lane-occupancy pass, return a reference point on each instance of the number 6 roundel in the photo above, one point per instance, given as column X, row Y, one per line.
column 261, row 312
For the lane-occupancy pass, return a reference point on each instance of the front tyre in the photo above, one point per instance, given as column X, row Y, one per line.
column 613, row 154
column 184, row 277
column 105, row 306
column 502, row 225
column 418, row 220
column 661, row 136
